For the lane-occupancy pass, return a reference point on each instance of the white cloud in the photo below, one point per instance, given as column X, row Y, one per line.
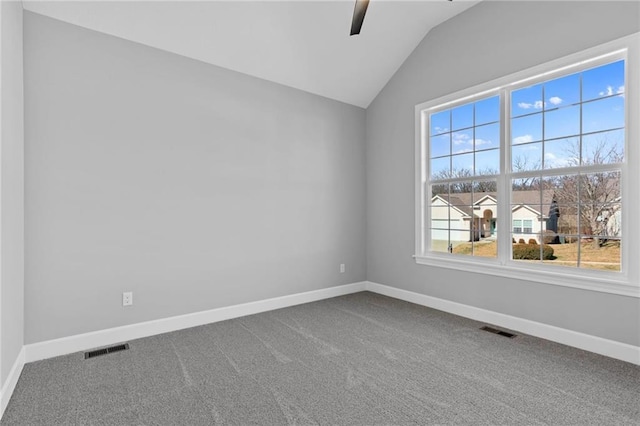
column 551, row 160
column 479, row 142
column 555, row 100
column 441, row 129
column 522, row 139
column 462, row 138
column 608, row 92
column 536, row 105
column 611, row 91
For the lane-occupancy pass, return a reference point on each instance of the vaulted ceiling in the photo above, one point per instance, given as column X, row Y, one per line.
column 302, row 44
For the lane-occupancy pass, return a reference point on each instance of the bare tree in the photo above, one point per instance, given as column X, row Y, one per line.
column 472, row 183
column 596, row 195
column 522, row 163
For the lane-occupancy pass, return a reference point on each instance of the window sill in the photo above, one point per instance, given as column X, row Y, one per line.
column 562, row 277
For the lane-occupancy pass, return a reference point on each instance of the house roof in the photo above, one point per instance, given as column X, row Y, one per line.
column 458, row 203
column 464, row 201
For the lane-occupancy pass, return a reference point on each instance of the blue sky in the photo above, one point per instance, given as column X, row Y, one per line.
column 551, row 108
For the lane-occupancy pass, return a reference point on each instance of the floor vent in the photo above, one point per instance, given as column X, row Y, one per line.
column 496, row 331
column 98, row 352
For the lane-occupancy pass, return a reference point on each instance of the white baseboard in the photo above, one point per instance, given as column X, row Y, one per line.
column 81, row 342
column 610, row 348
column 12, row 380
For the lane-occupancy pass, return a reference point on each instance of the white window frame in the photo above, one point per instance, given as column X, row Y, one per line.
column 627, row 281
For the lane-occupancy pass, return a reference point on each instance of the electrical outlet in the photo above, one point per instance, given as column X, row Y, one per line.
column 127, row 298
column 342, row 268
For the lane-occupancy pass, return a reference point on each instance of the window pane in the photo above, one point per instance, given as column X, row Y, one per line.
column 524, row 184
column 485, row 191
column 440, row 145
column 485, row 248
column 604, row 114
column 560, row 205
column 440, row 219
column 518, row 238
column 598, row 252
column 439, row 240
column 440, row 168
column 440, row 189
column 462, row 164
column 565, row 252
column 487, row 136
column 562, row 91
column 562, row 122
column 439, row 213
column 462, row 141
column 559, row 219
column 526, row 157
column 599, row 195
column 440, row 122
column 526, row 212
column 526, row 100
column 562, row 188
column 462, row 117
column 487, row 110
column 603, row 148
column 460, row 235
column 602, row 81
column 601, row 219
column 461, row 193
column 561, row 153
column 526, row 129
column 439, row 223
column 488, row 223
column 488, row 162
column 485, row 209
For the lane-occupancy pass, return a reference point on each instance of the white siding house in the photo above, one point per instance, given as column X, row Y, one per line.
column 464, row 217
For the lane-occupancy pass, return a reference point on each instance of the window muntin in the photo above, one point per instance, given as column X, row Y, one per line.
column 624, row 281
column 464, row 148
column 579, row 210
column 465, row 141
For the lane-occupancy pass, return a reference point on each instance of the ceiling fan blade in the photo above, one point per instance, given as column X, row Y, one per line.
column 358, row 16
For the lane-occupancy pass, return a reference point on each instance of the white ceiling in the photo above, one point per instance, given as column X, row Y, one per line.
column 302, row 44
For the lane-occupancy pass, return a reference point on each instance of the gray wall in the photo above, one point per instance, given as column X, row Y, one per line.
column 11, row 189
column 193, row 186
column 490, row 40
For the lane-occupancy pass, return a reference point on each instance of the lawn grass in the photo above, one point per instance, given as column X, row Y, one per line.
column 606, row 257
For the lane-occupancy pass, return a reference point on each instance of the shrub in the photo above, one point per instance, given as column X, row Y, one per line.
column 532, row 241
column 532, row 252
column 513, row 240
column 521, row 241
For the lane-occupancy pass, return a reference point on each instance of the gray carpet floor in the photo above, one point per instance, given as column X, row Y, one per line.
column 358, row 359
